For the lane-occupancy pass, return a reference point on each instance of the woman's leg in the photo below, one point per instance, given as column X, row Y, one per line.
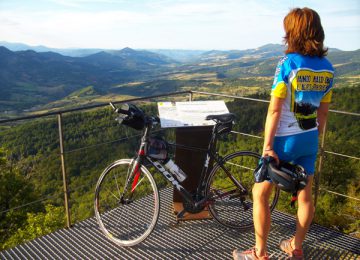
column 305, row 214
column 261, row 215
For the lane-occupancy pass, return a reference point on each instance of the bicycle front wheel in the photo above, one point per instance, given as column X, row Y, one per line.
column 126, row 204
column 230, row 205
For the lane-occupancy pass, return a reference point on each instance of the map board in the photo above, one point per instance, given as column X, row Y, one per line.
column 185, row 114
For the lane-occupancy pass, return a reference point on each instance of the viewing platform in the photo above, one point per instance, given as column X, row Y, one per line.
column 195, row 239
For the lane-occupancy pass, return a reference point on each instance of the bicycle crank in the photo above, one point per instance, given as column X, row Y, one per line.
column 196, row 207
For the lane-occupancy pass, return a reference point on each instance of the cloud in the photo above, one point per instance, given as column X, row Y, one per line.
column 81, row 3
column 210, row 24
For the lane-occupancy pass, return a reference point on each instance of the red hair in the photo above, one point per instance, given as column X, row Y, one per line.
column 304, row 33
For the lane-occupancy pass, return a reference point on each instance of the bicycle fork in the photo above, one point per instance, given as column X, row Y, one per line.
column 135, row 171
column 133, row 174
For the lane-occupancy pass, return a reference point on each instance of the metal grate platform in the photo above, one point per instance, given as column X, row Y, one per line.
column 200, row 239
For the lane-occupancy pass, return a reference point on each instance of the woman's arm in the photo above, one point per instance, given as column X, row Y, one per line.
column 272, row 121
column 322, row 113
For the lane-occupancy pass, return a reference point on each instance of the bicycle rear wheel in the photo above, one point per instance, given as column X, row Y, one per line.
column 229, row 206
column 126, row 205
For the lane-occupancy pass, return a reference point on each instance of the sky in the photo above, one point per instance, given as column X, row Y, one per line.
column 169, row 24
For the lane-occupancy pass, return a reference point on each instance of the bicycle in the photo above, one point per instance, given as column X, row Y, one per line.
column 127, row 197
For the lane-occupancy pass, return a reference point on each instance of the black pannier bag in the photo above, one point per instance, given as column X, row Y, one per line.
column 135, row 117
column 287, row 176
column 157, row 148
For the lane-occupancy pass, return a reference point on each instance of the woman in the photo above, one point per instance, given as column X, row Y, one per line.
column 297, row 113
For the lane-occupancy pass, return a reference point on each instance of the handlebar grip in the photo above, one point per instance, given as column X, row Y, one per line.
column 119, row 110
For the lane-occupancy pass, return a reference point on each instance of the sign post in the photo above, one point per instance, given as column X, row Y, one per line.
column 192, row 130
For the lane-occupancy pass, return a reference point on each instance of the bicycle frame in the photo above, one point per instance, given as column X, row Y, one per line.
column 211, row 154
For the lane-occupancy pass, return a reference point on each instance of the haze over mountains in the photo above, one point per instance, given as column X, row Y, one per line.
column 180, row 55
column 30, row 78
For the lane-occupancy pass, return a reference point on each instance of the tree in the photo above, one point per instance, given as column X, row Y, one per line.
column 37, row 224
column 15, row 192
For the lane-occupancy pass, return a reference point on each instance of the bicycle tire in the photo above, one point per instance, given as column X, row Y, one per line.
column 130, row 220
column 225, row 205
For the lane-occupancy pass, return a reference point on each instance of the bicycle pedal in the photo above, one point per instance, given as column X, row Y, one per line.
column 126, row 201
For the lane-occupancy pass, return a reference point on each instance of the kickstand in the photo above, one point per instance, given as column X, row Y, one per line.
column 181, row 214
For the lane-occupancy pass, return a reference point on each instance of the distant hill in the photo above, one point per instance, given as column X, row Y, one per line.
column 338, row 57
column 137, row 57
column 23, row 47
column 266, row 51
column 180, row 55
column 262, row 61
column 72, row 52
column 30, row 78
column 346, row 63
column 127, row 58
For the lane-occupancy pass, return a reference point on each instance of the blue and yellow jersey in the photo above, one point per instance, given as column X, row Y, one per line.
column 304, row 82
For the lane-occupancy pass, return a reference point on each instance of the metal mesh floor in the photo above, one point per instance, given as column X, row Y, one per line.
column 200, row 239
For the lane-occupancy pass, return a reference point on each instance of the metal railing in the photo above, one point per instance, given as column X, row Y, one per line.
column 191, row 94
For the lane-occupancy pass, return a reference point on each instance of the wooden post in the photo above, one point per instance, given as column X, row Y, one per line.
column 65, row 184
column 191, row 162
column 190, row 96
column 321, row 161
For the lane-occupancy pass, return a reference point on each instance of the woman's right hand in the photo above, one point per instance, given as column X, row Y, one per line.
column 271, row 153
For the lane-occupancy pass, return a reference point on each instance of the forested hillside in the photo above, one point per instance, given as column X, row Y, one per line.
column 31, row 171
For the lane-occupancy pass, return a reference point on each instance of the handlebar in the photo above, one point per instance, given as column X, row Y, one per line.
column 152, row 120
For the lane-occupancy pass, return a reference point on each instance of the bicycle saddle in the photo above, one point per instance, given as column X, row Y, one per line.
column 223, row 118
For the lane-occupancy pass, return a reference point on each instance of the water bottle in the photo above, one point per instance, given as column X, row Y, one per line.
column 175, row 170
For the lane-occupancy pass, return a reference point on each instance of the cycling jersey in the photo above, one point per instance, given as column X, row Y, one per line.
column 304, row 82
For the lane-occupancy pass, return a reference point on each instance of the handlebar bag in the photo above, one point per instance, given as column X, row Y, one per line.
column 157, row 148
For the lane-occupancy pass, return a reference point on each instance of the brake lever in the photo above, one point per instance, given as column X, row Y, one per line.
column 113, row 106
column 121, row 111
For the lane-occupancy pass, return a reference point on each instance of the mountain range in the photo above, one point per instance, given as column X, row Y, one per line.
column 31, row 78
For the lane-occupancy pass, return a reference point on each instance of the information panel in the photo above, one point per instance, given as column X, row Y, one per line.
column 185, row 114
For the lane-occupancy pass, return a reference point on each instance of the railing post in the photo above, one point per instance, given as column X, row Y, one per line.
column 190, row 96
column 65, row 183
column 321, row 161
